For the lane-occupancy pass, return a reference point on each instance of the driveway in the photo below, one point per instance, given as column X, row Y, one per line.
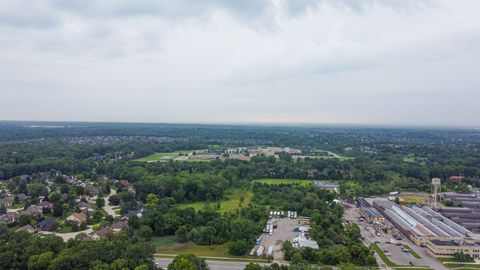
column 108, row 208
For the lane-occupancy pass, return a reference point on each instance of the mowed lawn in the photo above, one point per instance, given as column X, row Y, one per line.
column 227, row 205
column 192, row 248
column 166, row 156
column 274, row 181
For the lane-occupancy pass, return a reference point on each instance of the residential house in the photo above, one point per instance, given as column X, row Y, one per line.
column 85, row 207
column 78, row 217
column 85, row 238
column 22, row 197
column 7, row 201
column 47, row 225
column 119, row 225
column 27, row 228
column 93, row 190
column 10, row 217
column 102, row 233
column 46, row 204
column 34, row 210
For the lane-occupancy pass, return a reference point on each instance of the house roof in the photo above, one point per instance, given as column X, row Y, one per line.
column 119, row 225
column 103, row 232
column 81, row 217
column 34, row 209
column 46, row 204
column 26, row 228
column 47, row 223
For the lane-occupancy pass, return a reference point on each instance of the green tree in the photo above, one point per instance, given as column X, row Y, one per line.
column 100, row 202
column 252, row 266
column 238, row 248
column 40, row 262
column 182, row 234
column 134, row 222
column 145, row 232
column 188, row 262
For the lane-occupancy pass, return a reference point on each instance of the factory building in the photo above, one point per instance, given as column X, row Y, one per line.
column 371, row 214
column 428, row 228
column 448, row 248
column 468, row 215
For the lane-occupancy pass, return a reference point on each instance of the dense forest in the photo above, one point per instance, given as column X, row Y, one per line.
column 370, row 161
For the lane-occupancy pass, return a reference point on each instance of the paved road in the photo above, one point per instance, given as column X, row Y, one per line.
column 214, row 265
column 67, row 236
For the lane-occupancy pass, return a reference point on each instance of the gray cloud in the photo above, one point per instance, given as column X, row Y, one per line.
column 371, row 61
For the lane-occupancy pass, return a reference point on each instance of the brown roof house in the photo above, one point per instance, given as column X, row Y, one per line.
column 78, row 217
column 46, row 204
column 34, row 210
column 102, row 233
column 22, row 197
column 119, row 225
column 10, row 217
column 7, row 201
column 27, row 228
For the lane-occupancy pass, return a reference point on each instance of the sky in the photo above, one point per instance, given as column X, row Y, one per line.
column 385, row 62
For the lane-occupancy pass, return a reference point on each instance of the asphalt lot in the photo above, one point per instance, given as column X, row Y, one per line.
column 397, row 255
column 283, row 232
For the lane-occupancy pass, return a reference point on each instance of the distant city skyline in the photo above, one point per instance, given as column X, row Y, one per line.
column 371, row 62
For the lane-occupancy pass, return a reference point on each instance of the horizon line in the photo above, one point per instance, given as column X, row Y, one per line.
column 264, row 124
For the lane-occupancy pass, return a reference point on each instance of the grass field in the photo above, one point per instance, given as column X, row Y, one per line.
column 167, row 247
column 192, row 248
column 273, row 181
column 409, row 199
column 458, row 266
column 163, row 242
column 228, row 205
column 166, row 156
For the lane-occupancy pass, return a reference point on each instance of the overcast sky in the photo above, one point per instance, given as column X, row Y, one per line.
column 401, row 62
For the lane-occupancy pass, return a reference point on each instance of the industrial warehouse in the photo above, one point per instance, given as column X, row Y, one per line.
column 468, row 215
column 425, row 227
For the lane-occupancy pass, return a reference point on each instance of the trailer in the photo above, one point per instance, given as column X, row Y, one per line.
column 260, row 251
column 270, row 251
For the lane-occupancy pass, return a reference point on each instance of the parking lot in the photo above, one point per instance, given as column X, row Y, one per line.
column 282, row 233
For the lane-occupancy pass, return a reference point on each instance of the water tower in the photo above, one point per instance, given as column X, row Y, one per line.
column 436, row 184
